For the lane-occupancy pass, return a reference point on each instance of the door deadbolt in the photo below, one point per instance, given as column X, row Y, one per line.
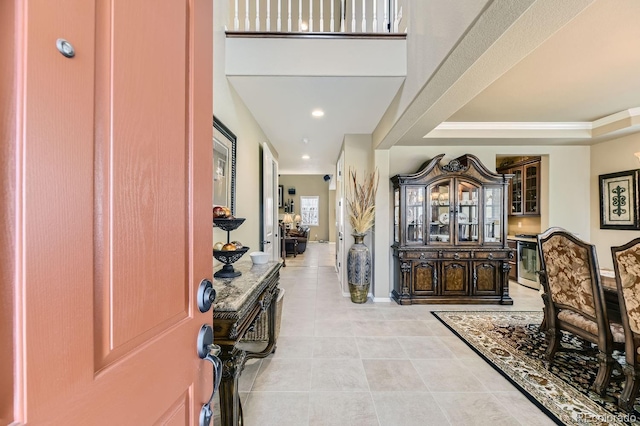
column 65, row 48
column 206, row 295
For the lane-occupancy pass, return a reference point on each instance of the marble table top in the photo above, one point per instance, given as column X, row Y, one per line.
column 233, row 295
column 608, row 279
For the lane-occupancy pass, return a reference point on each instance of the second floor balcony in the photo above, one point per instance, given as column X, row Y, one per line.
column 317, row 16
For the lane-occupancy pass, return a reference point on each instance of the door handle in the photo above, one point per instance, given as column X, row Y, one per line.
column 266, row 242
column 209, row 352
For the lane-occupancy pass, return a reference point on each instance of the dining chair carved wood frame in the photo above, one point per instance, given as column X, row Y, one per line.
column 626, row 264
column 574, row 300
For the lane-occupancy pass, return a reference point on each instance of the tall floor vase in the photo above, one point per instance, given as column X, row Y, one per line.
column 359, row 269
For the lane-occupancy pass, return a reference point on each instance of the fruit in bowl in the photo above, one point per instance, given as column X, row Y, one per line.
column 218, row 246
column 229, row 247
column 218, row 211
column 238, row 244
column 222, row 212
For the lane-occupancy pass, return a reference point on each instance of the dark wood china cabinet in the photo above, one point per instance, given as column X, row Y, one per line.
column 450, row 234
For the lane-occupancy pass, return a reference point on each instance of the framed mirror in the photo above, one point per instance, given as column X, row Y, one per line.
column 224, row 166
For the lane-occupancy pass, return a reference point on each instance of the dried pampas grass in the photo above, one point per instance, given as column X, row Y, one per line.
column 361, row 200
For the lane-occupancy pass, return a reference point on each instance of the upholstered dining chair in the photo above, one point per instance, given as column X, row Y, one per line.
column 574, row 299
column 626, row 264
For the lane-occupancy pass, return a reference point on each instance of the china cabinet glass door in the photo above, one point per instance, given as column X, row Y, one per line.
column 396, row 215
column 414, row 214
column 492, row 228
column 439, row 226
column 531, row 173
column 468, row 214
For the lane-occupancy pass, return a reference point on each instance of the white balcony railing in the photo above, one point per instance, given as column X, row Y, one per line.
column 313, row 16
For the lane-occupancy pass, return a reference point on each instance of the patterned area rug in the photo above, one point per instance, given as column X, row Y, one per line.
column 513, row 345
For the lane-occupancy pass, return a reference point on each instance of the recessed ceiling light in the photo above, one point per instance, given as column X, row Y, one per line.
column 305, row 140
column 317, row 113
column 305, row 157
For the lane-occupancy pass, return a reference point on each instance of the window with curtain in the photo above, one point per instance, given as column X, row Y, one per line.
column 309, row 210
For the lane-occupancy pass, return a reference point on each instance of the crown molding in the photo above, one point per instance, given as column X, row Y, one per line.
column 621, row 121
column 616, row 122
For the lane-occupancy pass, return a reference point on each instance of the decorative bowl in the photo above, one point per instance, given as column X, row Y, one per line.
column 229, row 256
column 259, row 257
column 227, row 224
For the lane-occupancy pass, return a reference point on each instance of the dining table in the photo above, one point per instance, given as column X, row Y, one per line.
column 608, row 280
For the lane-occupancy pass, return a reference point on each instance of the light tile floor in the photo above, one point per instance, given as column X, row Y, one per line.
column 340, row 363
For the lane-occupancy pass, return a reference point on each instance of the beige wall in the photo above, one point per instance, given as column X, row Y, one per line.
column 383, row 235
column 310, row 185
column 610, row 157
column 358, row 157
column 230, row 109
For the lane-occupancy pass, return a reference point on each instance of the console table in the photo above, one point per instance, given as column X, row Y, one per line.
column 237, row 307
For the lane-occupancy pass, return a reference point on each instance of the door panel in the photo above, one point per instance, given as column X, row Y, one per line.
column 148, row 161
column 425, row 278
column 486, row 276
column 114, row 163
column 178, row 413
column 145, row 182
column 455, row 278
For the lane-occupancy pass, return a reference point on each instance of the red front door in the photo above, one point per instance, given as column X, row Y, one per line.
column 110, row 213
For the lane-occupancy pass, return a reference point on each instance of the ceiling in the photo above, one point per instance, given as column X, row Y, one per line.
column 587, row 70
column 283, row 105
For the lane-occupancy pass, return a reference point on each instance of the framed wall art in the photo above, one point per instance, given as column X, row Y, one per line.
column 619, row 200
column 224, row 166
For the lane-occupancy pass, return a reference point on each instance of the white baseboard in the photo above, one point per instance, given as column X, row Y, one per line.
column 370, row 296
